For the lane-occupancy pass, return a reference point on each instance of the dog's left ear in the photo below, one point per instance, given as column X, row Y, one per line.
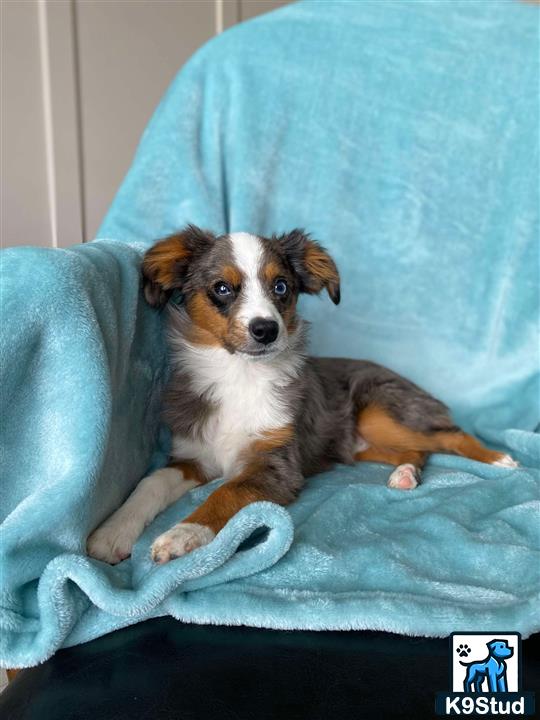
column 312, row 265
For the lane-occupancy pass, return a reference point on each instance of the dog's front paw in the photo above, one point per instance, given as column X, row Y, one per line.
column 180, row 540
column 112, row 542
column 404, row 477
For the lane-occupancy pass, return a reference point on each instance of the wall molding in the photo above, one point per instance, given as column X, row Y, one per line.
column 47, row 119
column 65, row 142
column 231, row 13
column 61, row 121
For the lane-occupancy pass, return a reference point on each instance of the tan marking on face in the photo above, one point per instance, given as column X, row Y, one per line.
column 271, row 271
column 209, row 327
column 232, row 275
column 236, row 336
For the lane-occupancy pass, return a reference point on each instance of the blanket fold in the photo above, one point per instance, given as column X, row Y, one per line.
column 404, row 136
column 70, row 583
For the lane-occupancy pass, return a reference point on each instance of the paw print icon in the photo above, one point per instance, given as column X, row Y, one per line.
column 463, row 650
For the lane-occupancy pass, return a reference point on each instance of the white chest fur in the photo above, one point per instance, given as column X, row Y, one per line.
column 249, row 398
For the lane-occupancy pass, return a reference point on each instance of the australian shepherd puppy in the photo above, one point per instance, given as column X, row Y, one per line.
column 244, row 401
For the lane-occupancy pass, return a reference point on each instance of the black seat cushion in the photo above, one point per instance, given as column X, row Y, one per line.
column 166, row 669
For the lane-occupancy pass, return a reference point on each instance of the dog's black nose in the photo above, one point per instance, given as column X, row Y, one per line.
column 264, row 331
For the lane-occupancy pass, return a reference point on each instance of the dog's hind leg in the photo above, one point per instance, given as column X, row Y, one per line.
column 460, row 443
column 408, row 463
column 391, row 440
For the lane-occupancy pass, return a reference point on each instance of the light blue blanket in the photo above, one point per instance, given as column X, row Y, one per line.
column 404, row 136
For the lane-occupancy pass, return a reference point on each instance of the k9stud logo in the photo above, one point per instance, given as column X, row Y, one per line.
column 485, row 663
column 485, row 670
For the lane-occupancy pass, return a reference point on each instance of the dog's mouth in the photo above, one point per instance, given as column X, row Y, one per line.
column 263, row 352
column 249, row 351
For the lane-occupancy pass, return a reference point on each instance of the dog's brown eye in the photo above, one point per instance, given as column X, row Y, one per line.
column 222, row 289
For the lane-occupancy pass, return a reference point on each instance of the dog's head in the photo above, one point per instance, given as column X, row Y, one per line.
column 239, row 291
column 499, row 649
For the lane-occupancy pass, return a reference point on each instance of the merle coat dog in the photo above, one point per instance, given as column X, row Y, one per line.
column 246, row 403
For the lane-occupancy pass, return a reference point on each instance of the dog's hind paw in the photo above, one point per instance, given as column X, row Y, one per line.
column 506, row 461
column 404, row 477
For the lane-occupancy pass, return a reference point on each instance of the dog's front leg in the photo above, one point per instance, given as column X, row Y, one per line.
column 112, row 542
column 272, row 475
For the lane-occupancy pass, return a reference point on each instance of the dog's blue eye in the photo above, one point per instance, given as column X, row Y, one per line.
column 222, row 289
column 280, row 287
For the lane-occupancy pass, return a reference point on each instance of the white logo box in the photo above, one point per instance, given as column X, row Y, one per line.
column 479, row 651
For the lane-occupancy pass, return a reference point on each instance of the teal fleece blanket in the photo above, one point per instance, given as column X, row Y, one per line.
column 404, row 136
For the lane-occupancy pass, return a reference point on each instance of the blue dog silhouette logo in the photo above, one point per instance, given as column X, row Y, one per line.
column 489, row 674
column 485, row 676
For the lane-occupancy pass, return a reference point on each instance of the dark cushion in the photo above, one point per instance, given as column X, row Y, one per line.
column 165, row 669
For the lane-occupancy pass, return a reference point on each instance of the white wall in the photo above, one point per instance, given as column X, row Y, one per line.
column 80, row 79
column 24, row 201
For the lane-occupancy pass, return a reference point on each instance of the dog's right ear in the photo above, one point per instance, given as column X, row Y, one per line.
column 165, row 265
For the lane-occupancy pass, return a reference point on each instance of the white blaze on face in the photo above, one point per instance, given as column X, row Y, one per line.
column 255, row 303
